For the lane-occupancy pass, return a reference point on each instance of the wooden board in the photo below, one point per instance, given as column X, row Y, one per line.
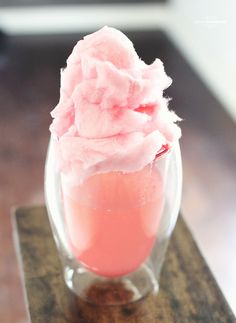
column 188, row 292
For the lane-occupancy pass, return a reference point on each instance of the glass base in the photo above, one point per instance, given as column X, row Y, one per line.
column 106, row 291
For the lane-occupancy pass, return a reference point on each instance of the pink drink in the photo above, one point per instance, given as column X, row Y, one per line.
column 112, row 219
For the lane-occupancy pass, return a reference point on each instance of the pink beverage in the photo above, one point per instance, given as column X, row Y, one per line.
column 112, row 219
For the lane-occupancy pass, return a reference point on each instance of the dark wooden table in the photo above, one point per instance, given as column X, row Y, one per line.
column 188, row 292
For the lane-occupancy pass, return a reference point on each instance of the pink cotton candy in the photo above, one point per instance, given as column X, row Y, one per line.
column 111, row 115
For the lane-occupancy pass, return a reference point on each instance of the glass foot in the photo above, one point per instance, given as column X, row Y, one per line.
column 106, row 291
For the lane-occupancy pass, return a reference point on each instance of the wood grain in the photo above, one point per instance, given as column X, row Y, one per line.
column 188, row 292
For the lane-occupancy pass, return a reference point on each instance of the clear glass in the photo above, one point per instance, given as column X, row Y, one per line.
column 112, row 230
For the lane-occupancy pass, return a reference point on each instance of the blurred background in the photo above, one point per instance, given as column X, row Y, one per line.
column 197, row 42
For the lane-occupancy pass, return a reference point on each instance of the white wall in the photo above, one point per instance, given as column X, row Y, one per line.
column 206, row 32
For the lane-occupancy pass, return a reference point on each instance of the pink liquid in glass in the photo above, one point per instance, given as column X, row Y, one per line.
column 112, row 219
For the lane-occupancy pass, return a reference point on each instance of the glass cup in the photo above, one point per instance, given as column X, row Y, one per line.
column 112, row 229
